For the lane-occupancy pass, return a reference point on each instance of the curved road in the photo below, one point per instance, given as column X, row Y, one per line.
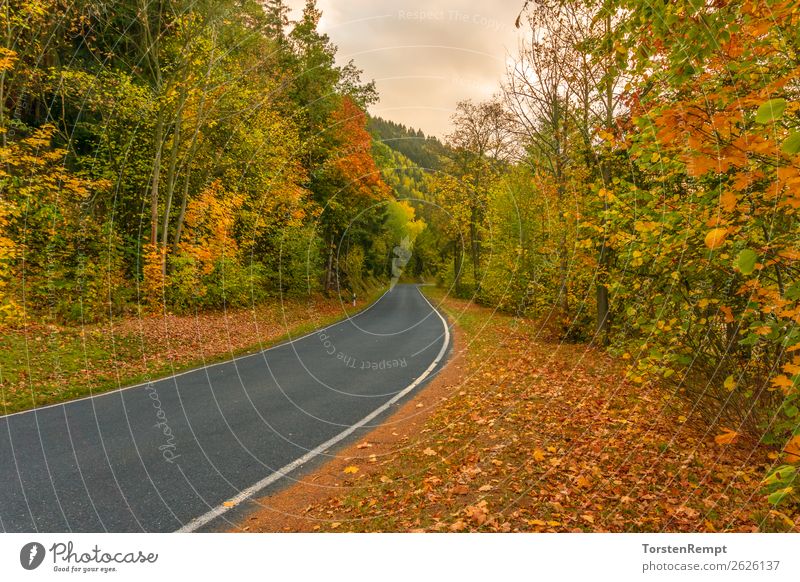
column 186, row 452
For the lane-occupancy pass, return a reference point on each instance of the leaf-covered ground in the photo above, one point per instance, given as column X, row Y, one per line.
column 42, row 365
column 533, row 435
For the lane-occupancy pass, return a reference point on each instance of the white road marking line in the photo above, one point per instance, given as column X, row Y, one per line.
column 245, row 494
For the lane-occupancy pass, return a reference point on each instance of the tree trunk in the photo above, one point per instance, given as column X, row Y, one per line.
column 181, row 215
column 603, row 328
column 156, row 178
column 192, row 151
column 171, row 179
column 475, row 248
column 563, row 266
column 458, row 262
column 329, row 270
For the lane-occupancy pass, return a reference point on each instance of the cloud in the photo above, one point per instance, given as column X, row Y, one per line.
column 424, row 56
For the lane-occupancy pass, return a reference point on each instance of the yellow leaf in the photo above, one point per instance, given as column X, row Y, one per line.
column 730, row 384
column 351, row 469
column 538, row 455
column 429, row 452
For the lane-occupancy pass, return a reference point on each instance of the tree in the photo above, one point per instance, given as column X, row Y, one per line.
column 481, row 141
column 541, row 98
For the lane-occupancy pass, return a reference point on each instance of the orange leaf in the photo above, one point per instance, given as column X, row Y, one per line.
column 728, row 201
column 727, row 437
column 477, row 513
column 728, row 313
column 784, row 383
column 716, row 238
column 460, row 489
column 700, row 164
column 792, row 450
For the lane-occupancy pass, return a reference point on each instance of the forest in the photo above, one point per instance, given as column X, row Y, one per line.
column 180, row 155
column 629, row 187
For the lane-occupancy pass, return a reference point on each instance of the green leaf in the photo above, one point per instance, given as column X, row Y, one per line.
column 779, row 496
column 783, row 474
column 791, row 145
column 770, row 111
column 793, row 292
column 751, row 340
column 747, row 261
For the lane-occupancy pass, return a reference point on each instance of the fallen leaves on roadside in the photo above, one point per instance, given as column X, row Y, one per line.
column 552, row 438
column 96, row 358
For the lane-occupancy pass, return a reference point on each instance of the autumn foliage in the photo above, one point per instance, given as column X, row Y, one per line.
column 649, row 204
column 175, row 157
column 354, row 161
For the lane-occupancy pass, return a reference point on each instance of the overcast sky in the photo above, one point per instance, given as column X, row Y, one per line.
column 425, row 56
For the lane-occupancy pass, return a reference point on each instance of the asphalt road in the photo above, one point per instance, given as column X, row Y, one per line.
column 167, row 456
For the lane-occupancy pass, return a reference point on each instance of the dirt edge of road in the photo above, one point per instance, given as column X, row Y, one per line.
column 285, row 511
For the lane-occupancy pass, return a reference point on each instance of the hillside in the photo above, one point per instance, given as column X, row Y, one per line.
column 425, row 151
